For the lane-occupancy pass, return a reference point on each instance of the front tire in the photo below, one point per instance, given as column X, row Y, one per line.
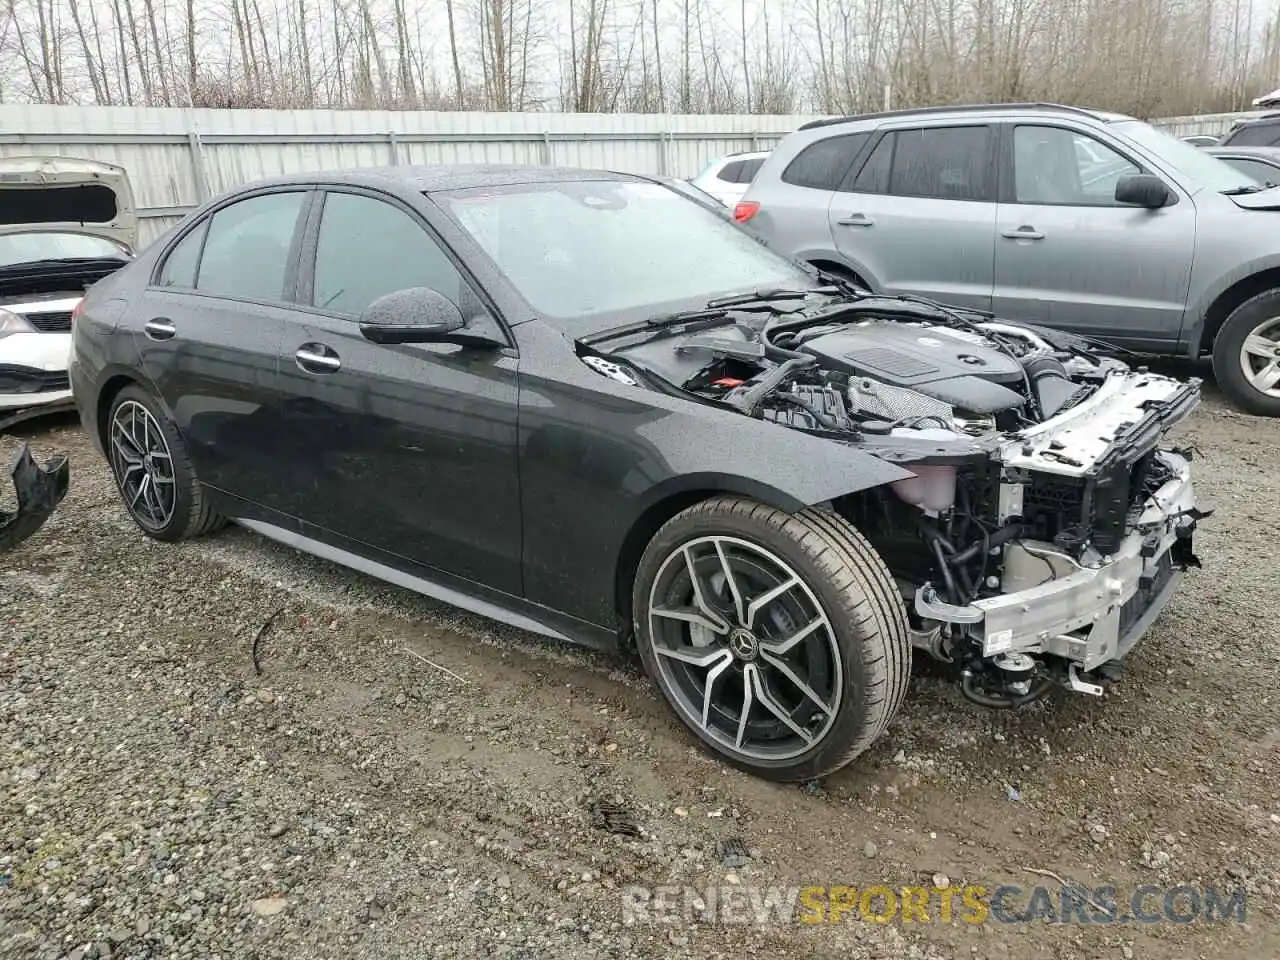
column 779, row 639
column 153, row 471
column 1246, row 355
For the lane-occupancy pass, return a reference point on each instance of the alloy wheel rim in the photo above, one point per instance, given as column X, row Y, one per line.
column 744, row 648
column 143, row 465
column 1260, row 357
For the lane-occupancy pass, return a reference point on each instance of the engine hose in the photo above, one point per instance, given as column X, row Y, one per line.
column 1003, row 535
column 749, row 400
column 952, row 593
column 1002, row 703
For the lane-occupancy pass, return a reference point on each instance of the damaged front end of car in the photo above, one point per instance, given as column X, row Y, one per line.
column 1049, row 519
column 38, row 489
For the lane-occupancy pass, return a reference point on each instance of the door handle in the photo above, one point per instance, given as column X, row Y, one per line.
column 159, row 328
column 1024, row 232
column 316, row 358
column 856, row 220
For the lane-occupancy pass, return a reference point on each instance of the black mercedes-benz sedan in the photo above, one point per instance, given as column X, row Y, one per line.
column 587, row 405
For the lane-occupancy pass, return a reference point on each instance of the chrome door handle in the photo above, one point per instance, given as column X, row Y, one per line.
column 856, row 220
column 1024, row 232
column 160, row 328
column 316, row 358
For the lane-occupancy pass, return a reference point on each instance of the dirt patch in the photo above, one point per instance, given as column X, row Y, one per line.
column 161, row 797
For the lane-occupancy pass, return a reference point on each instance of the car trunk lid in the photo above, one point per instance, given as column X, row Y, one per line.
column 67, row 195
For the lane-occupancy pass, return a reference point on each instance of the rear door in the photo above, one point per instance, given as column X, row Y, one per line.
column 209, row 330
column 1068, row 255
column 918, row 215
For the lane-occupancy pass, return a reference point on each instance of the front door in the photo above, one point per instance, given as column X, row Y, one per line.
column 919, row 214
column 1069, row 256
column 209, row 337
column 407, row 449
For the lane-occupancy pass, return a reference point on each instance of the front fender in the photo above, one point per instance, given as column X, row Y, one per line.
column 1197, row 314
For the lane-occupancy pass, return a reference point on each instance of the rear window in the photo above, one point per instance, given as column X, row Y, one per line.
column 822, row 165
column 76, row 203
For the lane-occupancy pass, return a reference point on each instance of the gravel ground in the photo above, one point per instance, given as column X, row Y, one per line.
column 401, row 780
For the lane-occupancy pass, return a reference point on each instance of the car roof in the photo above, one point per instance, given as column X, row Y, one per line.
column 438, row 177
column 966, row 109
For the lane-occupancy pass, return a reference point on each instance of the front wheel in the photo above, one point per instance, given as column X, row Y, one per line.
column 779, row 639
column 1246, row 355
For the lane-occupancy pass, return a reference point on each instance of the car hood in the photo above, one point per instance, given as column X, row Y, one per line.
column 67, row 195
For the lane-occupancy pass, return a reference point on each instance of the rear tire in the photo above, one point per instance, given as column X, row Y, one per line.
column 1246, row 355
column 153, row 470
column 779, row 639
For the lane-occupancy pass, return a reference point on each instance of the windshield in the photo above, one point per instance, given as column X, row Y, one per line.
column 21, row 248
column 589, row 249
column 1204, row 168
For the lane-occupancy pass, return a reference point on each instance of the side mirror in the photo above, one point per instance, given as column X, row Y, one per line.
column 1143, row 190
column 417, row 315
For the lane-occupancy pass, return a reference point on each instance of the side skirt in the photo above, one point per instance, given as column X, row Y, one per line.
column 586, row 634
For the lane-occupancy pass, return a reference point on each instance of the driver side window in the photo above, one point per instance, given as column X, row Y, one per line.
column 368, row 248
column 1056, row 166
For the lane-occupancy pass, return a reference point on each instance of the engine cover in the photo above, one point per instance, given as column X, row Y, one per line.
column 958, row 370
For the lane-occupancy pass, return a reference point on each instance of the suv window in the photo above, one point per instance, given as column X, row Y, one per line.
column 822, row 165
column 730, row 171
column 368, row 248
column 247, row 253
column 179, row 268
column 1053, row 165
column 1254, row 135
column 944, row 163
column 749, row 169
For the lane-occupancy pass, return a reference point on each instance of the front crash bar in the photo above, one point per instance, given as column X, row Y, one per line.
column 39, row 489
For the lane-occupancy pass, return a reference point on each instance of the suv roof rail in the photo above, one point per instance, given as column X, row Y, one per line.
column 959, row 108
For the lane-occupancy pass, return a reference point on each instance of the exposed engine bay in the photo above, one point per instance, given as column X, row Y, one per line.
column 1047, row 522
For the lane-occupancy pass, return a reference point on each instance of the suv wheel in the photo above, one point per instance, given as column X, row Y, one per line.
column 153, row 471
column 779, row 639
column 1246, row 355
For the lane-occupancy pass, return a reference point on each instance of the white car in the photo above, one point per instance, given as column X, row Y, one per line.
column 727, row 178
column 65, row 223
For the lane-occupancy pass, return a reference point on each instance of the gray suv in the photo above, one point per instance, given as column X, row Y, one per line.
column 1087, row 221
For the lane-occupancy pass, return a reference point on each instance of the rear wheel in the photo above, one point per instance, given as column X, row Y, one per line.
column 153, row 471
column 779, row 639
column 1246, row 355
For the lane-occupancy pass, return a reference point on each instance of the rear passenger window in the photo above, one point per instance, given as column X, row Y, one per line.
column 368, row 248
column 247, row 253
column 179, row 268
column 822, row 165
column 874, row 175
column 946, row 163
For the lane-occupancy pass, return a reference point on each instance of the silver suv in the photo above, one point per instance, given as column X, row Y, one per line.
column 1090, row 222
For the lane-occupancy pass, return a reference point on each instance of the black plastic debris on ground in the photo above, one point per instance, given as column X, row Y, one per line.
column 732, row 852
column 613, row 817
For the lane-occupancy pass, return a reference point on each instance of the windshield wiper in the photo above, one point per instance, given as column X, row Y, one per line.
column 766, row 296
column 1243, row 189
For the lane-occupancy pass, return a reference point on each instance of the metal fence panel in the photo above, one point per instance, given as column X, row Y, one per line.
column 177, row 157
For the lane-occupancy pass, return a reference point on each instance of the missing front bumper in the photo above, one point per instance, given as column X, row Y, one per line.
column 39, row 491
column 1087, row 612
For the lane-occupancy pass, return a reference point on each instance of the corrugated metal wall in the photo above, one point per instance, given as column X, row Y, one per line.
column 178, row 157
